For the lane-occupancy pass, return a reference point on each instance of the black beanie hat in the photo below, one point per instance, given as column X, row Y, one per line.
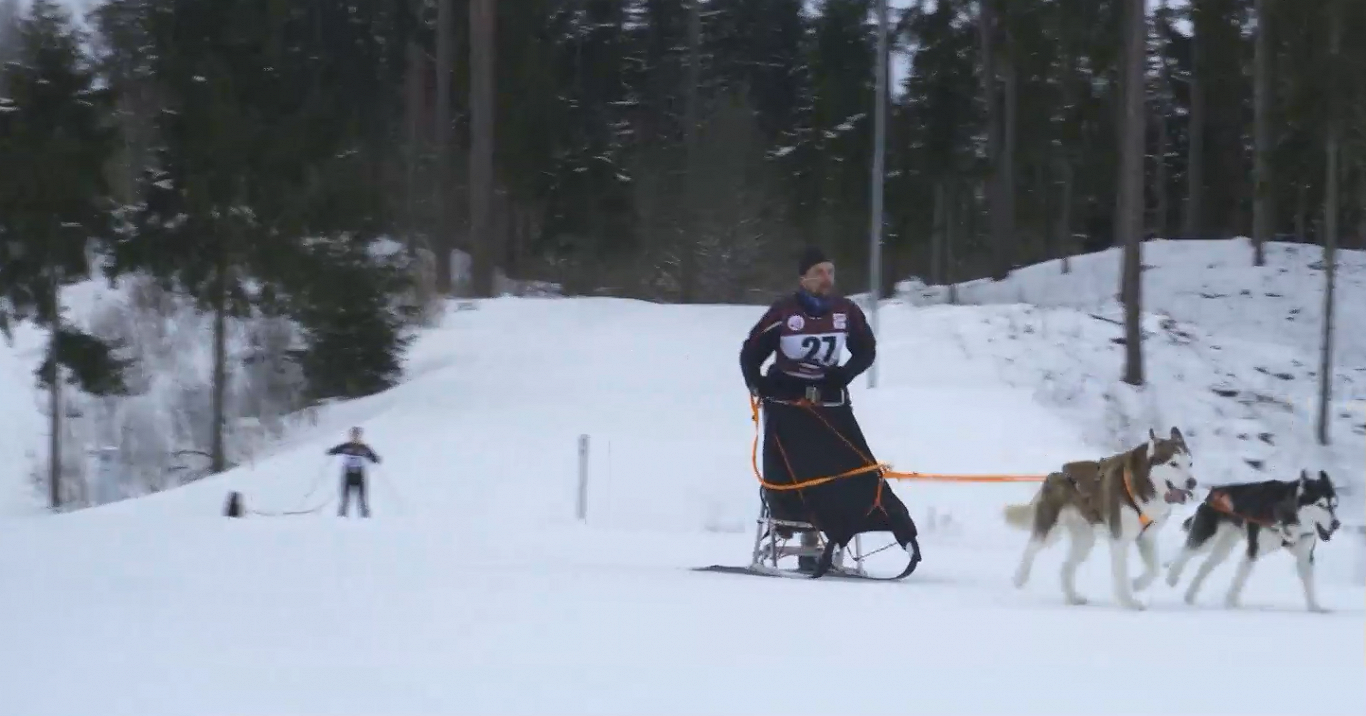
column 810, row 257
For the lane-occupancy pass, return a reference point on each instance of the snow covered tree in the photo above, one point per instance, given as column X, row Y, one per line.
column 273, row 129
column 55, row 206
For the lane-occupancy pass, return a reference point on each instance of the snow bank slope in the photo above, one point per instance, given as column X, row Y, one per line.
column 156, row 437
column 471, row 591
column 1232, row 354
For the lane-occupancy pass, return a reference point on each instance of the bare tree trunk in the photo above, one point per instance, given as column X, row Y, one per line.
column 482, row 55
column 1065, row 214
column 1163, row 210
column 443, row 241
column 986, row 25
column 413, row 109
column 1044, row 182
column 218, row 458
column 1195, row 156
column 937, row 239
column 1003, row 222
column 1261, row 123
column 687, row 269
column 1330, row 229
column 1130, row 205
column 1361, row 206
column 1066, row 166
column 1302, row 213
column 54, row 401
column 951, row 233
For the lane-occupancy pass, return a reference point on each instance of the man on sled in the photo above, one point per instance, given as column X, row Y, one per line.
column 809, row 430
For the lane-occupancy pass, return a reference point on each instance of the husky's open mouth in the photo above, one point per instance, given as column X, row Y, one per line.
column 1324, row 534
column 1176, row 495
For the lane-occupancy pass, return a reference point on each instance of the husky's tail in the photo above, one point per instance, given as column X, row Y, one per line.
column 1021, row 517
column 1186, row 525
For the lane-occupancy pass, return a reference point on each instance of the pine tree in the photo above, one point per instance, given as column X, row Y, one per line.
column 271, row 132
column 353, row 330
column 55, row 204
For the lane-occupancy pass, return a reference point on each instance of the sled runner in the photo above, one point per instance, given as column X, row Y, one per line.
column 772, row 549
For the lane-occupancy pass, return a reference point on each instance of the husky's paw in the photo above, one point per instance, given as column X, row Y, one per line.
column 1190, row 598
column 1076, row 600
column 1232, row 603
column 1133, row 604
column 1020, row 578
column 1319, row 609
column 1144, row 581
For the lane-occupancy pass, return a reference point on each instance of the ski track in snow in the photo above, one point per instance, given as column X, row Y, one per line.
column 473, row 590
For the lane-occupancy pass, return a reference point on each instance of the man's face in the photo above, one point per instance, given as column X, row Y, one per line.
column 819, row 279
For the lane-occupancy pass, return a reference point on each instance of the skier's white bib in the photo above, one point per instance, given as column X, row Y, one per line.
column 817, row 350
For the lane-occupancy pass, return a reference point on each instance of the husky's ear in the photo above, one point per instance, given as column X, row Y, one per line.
column 1177, row 436
column 1152, row 443
column 1323, row 476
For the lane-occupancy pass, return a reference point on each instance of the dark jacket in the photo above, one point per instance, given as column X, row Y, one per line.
column 354, row 454
column 808, row 336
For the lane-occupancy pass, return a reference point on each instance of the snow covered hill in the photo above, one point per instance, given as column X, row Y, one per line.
column 473, row 589
column 1232, row 352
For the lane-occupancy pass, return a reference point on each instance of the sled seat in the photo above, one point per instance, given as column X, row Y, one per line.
column 772, row 543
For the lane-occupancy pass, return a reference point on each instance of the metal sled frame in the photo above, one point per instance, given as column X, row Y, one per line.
column 770, row 547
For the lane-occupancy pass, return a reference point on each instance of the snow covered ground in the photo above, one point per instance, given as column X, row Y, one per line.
column 473, row 589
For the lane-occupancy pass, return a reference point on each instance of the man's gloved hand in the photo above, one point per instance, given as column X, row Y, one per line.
column 762, row 388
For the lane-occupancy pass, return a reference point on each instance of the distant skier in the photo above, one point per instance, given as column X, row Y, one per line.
column 354, row 454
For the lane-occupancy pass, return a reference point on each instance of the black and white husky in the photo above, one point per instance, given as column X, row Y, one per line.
column 1265, row 516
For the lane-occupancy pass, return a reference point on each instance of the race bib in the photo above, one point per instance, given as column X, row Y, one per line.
column 353, row 462
column 821, row 350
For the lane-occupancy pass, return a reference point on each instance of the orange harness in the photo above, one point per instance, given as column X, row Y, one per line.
column 869, row 464
column 1143, row 519
column 1219, row 500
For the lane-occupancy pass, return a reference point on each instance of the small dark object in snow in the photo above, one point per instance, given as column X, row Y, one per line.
column 234, row 507
column 1213, row 295
column 1282, row 376
column 1245, row 292
column 1242, row 436
column 1273, row 295
column 1254, row 464
column 1267, row 438
column 1225, row 392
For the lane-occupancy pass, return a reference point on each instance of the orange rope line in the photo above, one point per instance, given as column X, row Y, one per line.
column 871, row 466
